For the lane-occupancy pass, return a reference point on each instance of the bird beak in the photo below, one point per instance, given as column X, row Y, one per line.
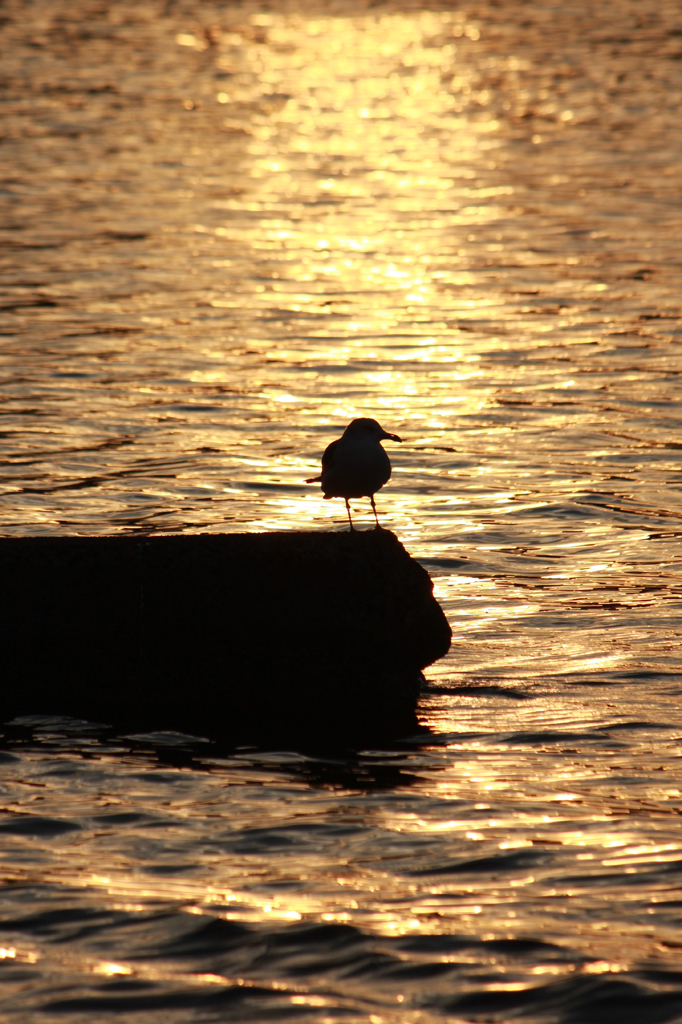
column 393, row 437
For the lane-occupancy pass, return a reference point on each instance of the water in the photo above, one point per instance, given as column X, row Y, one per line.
column 229, row 231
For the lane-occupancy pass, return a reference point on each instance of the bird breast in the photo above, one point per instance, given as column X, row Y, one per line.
column 358, row 469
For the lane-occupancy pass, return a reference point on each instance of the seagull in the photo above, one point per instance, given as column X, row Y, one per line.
column 356, row 465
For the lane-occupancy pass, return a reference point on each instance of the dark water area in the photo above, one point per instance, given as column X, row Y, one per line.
column 227, row 231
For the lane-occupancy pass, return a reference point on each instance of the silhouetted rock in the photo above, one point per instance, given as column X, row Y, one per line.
column 285, row 638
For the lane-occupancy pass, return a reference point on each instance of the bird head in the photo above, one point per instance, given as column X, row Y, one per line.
column 370, row 429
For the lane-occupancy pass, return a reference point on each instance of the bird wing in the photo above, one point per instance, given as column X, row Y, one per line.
column 327, row 462
column 330, row 455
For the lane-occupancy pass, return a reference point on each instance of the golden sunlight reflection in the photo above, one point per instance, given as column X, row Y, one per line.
column 509, row 794
column 111, row 970
column 464, row 225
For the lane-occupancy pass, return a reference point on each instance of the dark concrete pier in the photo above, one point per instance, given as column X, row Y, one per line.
column 284, row 638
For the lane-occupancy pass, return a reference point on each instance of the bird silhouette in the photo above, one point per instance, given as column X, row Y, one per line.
column 356, row 465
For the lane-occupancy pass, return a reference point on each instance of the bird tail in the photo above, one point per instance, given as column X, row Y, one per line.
column 314, row 480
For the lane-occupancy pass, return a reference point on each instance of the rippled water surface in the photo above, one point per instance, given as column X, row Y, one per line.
column 228, row 231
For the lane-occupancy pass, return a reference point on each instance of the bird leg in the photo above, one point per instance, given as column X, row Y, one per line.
column 348, row 511
column 374, row 509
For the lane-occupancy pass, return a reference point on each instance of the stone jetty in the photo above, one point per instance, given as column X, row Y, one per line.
column 286, row 639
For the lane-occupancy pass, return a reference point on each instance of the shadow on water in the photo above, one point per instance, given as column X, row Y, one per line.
column 331, row 767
